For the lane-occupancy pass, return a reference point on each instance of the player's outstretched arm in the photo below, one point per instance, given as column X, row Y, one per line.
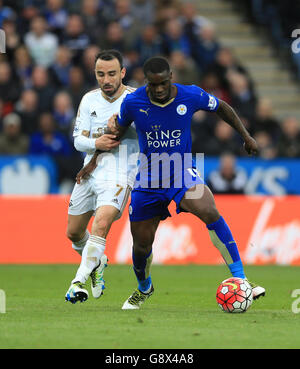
column 227, row 113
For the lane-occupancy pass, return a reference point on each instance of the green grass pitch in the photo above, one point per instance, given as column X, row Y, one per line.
column 181, row 314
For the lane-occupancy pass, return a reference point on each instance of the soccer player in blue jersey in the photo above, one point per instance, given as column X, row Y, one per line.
column 162, row 113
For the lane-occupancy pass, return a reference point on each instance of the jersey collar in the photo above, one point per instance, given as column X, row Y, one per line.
column 162, row 105
column 166, row 103
column 116, row 96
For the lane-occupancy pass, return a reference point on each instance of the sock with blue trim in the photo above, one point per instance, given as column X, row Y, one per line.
column 222, row 239
column 141, row 267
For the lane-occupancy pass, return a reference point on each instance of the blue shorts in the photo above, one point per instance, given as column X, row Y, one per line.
column 149, row 203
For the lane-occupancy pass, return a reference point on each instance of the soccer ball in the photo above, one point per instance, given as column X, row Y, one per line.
column 234, row 295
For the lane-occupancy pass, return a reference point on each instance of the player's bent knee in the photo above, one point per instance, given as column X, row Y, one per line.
column 142, row 249
column 143, row 233
column 74, row 236
column 210, row 214
column 143, row 240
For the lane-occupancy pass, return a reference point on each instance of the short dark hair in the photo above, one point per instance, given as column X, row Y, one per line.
column 110, row 55
column 156, row 64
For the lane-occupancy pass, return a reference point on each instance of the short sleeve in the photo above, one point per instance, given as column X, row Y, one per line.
column 125, row 117
column 82, row 121
column 205, row 101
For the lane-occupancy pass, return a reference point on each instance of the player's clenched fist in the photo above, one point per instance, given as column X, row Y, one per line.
column 250, row 145
column 106, row 142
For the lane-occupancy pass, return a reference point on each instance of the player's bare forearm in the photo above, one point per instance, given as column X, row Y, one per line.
column 104, row 143
column 228, row 114
column 88, row 168
column 114, row 127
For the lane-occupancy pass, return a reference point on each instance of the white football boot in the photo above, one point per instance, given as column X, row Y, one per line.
column 135, row 301
column 257, row 291
column 77, row 292
column 98, row 283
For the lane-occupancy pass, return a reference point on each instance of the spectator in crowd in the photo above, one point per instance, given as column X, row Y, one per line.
column 87, row 64
column 12, row 140
column 94, row 19
column 148, row 43
column 131, row 61
column 77, row 86
column 63, row 112
column 130, row 24
column 193, row 22
column 12, row 37
column 114, row 38
column 56, row 16
column 205, row 48
column 48, row 140
column 202, row 129
column 43, row 86
column 243, row 98
column 225, row 63
column 75, row 38
column 211, row 83
column 143, row 9
column 41, row 44
column 137, row 78
column 10, row 87
column 27, row 109
column 265, row 121
column 60, row 69
column 166, row 10
column 72, row 6
column 289, row 142
column 228, row 178
column 27, row 12
column 23, row 66
column 6, row 12
column 184, row 68
column 267, row 150
column 224, row 139
column 174, row 38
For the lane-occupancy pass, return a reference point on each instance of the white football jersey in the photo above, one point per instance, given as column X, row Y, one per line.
column 120, row 164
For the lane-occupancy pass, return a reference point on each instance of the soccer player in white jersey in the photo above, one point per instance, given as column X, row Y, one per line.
column 105, row 192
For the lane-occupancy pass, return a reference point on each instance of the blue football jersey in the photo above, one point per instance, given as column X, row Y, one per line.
column 164, row 131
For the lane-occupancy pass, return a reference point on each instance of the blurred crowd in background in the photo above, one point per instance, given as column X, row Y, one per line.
column 49, row 65
column 278, row 19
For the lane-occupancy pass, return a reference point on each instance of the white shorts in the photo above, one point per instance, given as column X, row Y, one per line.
column 90, row 194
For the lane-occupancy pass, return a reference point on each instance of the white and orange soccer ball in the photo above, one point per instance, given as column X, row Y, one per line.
column 234, row 295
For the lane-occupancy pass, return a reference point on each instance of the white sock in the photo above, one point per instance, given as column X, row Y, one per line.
column 91, row 256
column 79, row 245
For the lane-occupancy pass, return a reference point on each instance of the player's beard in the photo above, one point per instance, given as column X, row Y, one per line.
column 111, row 92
